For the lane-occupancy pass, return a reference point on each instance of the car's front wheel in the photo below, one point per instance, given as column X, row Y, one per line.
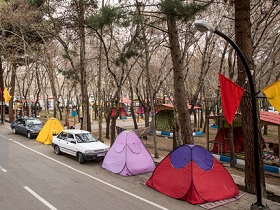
column 57, row 150
column 29, row 135
column 14, row 130
column 80, row 158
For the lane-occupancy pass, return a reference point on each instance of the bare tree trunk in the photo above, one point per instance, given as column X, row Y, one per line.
column 244, row 41
column 146, row 114
column 67, row 112
column 114, row 118
column 108, row 119
column 179, row 86
column 232, row 152
column 100, row 116
column 51, row 73
column 156, row 154
column 149, row 87
column 85, row 101
column 38, row 91
column 176, row 131
column 132, row 103
column 12, row 92
column 78, row 105
column 202, row 120
column 113, row 129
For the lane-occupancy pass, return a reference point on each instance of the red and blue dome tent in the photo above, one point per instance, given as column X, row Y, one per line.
column 191, row 173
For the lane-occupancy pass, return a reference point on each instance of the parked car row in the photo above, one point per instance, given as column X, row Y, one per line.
column 79, row 143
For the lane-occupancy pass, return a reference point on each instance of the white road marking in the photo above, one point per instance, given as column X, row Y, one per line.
column 40, row 198
column 3, row 169
column 92, row 177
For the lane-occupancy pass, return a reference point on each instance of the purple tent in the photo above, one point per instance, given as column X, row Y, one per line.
column 128, row 156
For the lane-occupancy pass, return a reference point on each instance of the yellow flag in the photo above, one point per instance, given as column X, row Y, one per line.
column 272, row 93
column 7, row 95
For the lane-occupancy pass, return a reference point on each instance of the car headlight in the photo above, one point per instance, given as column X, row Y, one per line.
column 89, row 151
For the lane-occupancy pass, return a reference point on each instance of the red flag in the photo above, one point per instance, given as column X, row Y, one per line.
column 231, row 95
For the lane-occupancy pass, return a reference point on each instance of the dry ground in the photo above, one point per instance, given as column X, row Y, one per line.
column 165, row 146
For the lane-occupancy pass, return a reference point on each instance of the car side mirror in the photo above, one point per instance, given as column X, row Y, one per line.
column 73, row 141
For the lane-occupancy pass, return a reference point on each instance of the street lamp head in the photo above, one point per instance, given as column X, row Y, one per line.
column 204, row 26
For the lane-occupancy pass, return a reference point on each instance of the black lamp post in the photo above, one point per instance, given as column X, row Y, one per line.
column 204, row 26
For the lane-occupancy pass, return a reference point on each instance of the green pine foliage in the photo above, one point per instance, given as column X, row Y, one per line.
column 35, row 3
column 124, row 57
column 71, row 74
column 107, row 16
column 179, row 10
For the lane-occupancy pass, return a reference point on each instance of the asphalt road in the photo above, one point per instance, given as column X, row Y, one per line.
column 33, row 177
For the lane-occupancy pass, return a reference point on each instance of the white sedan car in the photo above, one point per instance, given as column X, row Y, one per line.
column 79, row 143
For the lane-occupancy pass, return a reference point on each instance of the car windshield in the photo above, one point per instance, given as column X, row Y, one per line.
column 33, row 122
column 85, row 137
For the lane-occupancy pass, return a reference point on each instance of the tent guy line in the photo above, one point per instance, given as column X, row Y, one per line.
column 92, row 177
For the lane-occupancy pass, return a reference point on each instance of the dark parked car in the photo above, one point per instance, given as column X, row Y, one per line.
column 28, row 126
